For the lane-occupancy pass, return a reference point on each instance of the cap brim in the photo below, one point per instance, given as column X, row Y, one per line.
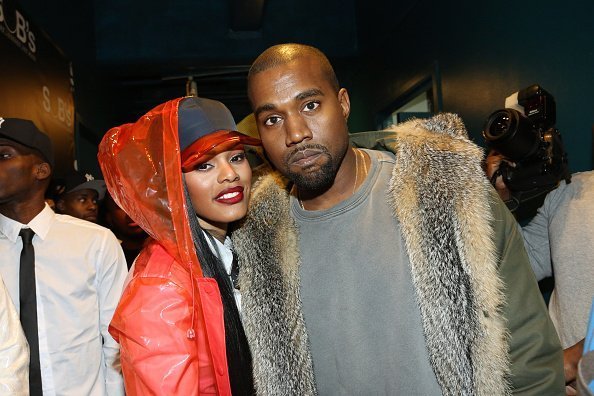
column 97, row 185
column 212, row 144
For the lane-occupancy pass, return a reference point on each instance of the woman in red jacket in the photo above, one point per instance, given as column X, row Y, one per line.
column 181, row 173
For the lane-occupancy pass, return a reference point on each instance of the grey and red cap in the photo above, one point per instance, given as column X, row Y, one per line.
column 206, row 127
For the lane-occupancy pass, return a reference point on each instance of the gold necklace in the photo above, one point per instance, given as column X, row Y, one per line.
column 364, row 165
column 357, row 153
column 356, row 170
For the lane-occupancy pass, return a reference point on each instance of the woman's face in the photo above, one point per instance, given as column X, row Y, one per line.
column 220, row 189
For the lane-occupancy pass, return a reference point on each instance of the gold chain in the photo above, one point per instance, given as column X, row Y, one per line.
column 356, row 169
column 364, row 165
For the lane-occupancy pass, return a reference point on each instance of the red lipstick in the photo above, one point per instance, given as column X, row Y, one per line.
column 230, row 196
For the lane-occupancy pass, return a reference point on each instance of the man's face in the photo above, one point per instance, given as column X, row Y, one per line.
column 302, row 121
column 17, row 172
column 80, row 203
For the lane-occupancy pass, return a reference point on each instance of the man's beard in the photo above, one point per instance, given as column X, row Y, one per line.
column 318, row 181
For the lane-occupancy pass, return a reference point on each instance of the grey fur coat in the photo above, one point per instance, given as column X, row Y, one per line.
column 440, row 197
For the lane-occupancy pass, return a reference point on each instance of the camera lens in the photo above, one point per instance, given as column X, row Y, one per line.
column 512, row 134
column 500, row 125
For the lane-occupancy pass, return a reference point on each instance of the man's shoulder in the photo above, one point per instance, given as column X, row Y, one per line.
column 76, row 223
column 580, row 188
column 581, row 179
column 442, row 132
column 81, row 228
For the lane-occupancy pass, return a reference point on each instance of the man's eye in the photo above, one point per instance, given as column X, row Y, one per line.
column 272, row 120
column 238, row 157
column 309, row 106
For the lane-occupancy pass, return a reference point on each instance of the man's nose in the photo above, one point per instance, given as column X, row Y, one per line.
column 297, row 130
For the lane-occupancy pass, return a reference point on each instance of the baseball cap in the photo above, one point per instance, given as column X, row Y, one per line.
column 206, row 127
column 26, row 133
column 80, row 181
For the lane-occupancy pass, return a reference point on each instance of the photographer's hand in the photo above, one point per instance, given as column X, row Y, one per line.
column 571, row 357
column 492, row 164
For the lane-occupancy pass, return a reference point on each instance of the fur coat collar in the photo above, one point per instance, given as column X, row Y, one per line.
column 440, row 197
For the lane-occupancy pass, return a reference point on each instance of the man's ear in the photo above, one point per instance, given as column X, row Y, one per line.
column 43, row 171
column 345, row 102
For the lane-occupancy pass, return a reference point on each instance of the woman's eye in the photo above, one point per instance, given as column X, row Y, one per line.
column 203, row 167
column 238, row 157
column 272, row 120
column 309, row 106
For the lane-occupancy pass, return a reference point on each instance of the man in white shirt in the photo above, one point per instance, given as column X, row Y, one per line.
column 79, row 271
column 14, row 353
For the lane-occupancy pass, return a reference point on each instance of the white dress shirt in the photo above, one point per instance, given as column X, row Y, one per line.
column 79, row 271
column 14, row 351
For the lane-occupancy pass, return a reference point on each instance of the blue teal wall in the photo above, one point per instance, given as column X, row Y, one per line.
column 485, row 52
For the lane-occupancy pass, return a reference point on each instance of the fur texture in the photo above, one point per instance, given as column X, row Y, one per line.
column 267, row 247
column 440, row 196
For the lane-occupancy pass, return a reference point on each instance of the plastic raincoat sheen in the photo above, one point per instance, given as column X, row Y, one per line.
column 169, row 321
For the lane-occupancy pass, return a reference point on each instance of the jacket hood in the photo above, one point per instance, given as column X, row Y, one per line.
column 142, row 170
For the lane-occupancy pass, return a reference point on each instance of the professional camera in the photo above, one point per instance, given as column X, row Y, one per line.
column 525, row 133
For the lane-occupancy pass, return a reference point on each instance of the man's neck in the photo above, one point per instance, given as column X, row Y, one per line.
column 23, row 212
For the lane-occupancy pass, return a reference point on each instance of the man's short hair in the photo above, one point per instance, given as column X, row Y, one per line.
column 284, row 53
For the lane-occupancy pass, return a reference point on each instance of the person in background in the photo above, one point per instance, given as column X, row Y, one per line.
column 131, row 236
column 374, row 272
column 179, row 322
column 81, row 196
column 64, row 275
column 14, row 351
column 560, row 242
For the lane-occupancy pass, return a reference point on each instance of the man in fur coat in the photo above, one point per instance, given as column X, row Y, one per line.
column 380, row 272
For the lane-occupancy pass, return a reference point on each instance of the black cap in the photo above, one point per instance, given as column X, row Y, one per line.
column 26, row 133
column 80, row 181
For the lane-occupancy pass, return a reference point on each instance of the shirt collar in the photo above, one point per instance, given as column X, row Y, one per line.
column 224, row 249
column 40, row 225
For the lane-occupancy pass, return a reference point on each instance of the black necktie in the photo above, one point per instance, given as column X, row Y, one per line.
column 28, row 302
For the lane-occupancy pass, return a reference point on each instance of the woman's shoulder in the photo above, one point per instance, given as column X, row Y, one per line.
column 153, row 262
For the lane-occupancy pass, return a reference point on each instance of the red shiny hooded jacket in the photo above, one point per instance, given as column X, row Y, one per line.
column 169, row 321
